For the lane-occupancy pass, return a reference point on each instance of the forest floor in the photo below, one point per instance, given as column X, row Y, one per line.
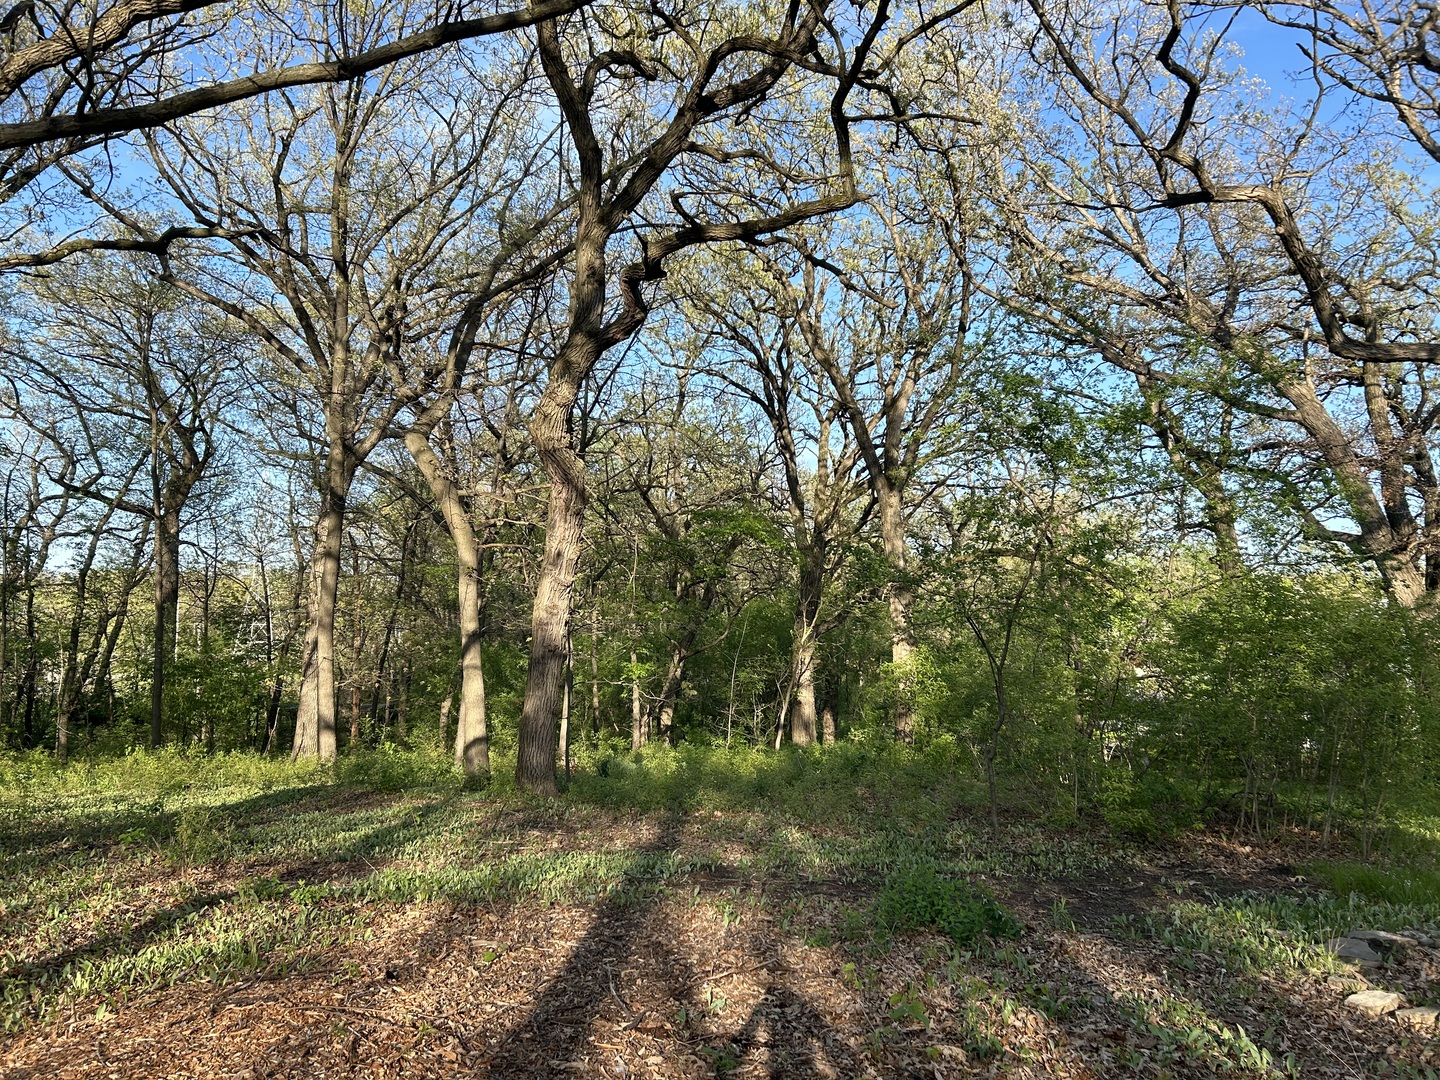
column 160, row 923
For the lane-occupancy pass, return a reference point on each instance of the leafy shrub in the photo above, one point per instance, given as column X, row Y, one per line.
column 922, row 899
column 1147, row 808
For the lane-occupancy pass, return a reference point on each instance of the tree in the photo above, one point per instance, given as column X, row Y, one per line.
column 820, row 485
column 883, row 305
column 366, row 221
column 1387, row 54
column 675, row 88
column 679, row 497
column 76, row 75
column 1202, row 282
column 138, row 386
column 471, row 498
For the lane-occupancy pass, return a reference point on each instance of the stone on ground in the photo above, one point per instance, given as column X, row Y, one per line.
column 1423, row 1017
column 1349, row 948
column 1375, row 1002
column 1383, row 939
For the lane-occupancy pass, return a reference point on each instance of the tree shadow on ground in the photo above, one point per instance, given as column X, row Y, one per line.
column 1134, row 1006
column 785, row 1036
column 128, row 941
column 104, row 827
column 629, row 936
column 551, row 1036
column 132, row 939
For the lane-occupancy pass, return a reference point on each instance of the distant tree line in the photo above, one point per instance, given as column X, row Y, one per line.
column 1024, row 376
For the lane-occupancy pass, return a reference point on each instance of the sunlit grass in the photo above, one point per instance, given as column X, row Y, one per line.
column 1414, row 888
column 123, row 875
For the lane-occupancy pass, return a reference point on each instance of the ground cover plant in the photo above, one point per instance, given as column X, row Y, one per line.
column 166, row 916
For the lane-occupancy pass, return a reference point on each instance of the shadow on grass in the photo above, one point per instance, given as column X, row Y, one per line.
column 44, row 974
column 549, row 1038
column 1145, row 996
column 101, row 828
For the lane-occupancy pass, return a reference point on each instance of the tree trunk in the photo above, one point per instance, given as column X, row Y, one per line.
column 472, row 737
column 550, row 622
column 900, row 598
column 802, row 712
column 115, row 628
column 664, row 708
column 72, row 679
column 167, row 607
column 828, row 710
column 315, row 718
column 447, row 704
column 639, row 722
column 565, row 707
column 357, row 645
column 805, row 645
column 595, row 672
column 30, row 675
column 402, row 704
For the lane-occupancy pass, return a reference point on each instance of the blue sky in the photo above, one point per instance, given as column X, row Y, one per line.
column 1271, row 53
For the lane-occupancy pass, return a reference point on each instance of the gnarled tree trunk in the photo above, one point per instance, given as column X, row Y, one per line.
column 550, row 620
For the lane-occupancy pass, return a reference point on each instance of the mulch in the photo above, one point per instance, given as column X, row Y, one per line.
column 717, row 979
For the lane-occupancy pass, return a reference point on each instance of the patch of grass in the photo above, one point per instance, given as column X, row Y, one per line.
column 551, row 877
column 1179, row 1033
column 923, row 899
column 154, row 869
column 208, row 937
column 1408, row 887
column 1260, row 932
column 818, row 785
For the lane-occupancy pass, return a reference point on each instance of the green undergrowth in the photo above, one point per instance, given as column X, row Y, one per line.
column 1259, row 932
column 1412, row 886
column 820, row 785
column 926, row 899
column 120, row 875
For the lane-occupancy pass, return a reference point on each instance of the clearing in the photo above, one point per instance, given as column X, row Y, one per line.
column 690, row 915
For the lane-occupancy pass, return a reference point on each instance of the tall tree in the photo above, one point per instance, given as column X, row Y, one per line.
column 144, row 385
column 364, row 223
column 674, row 88
column 1187, row 244
column 821, row 487
column 75, row 75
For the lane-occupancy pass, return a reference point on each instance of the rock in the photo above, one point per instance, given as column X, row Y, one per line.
column 1381, row 940
column 1349, row 948
column 1419, row 937
column 1374, row 1002
column 1347, row 983
column 1423, row 1017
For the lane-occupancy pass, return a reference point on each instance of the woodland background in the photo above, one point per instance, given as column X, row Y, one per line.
column 1028, row 384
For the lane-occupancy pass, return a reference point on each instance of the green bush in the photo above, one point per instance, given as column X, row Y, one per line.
column 922, row 899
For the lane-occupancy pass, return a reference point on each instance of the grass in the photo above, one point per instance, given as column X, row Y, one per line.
column 126, row 875
column 1409, row 887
